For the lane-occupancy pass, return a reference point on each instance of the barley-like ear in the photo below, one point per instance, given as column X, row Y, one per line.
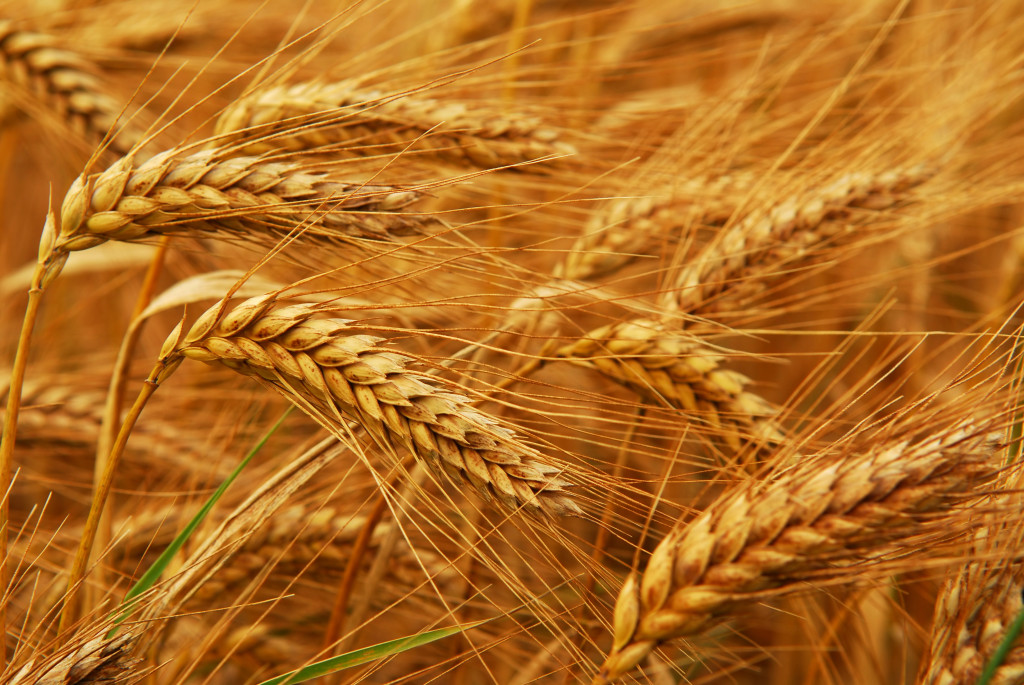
column 673, row 368
column 294, row 542
column 210, row 193
column 819, row 520
column 623, row 229
column 332, row 368
column 752, row 247
column 339, row 111
column 66, row 82
column 973, row 614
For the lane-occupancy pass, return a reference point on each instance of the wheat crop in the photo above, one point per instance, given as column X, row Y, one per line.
column 542, row 342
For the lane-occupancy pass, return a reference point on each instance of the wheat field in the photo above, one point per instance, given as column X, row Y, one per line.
column 537, row 341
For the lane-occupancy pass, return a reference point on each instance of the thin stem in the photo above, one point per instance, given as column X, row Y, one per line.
column 7, row 439
column 336, row 625
column 101, row 491
column 119, row 380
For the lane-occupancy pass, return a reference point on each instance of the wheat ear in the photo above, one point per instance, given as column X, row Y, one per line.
column 212, row 193
column 329, row 367
column 624, row 229
column 320, row 544
column 973, row 614
column 977, row 606
column 811, row 522
column 340, row 111
column 98, row 660
column 674, row 368
column 66, row 82
column 752, row 248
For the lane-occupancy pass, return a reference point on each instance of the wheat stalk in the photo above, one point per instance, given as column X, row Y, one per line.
column 330, row 367
column 340, row 111
column 66, row 82
column 812, row 522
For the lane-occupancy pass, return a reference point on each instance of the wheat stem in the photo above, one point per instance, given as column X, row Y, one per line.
column 100, row 493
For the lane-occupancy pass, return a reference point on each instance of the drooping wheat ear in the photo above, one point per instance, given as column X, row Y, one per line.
column 212, row 193
column 329, row 368
column 341, row 111
column 65, row 82
column 673, row 368
column 319, row 545
column 754, row 247
column 813, row 522
column 624, row 229
column 98, row 660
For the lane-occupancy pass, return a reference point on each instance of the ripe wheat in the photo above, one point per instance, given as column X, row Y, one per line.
column 811, row 523
column 329, row 365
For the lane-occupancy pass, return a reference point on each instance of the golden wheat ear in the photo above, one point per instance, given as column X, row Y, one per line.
column 67, row 83
column 334, row 369
column 742, row 255
column 305, row 116
column 215, row 194
column 821, row 520
column 674, row 368
column 85, row 659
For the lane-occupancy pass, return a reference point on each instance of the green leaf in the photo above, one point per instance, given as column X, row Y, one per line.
column 367, row 654
column 153, row 574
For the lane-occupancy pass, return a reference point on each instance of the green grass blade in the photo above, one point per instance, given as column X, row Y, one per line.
column 153, row 573
column 1012, row 633
column 367, row 654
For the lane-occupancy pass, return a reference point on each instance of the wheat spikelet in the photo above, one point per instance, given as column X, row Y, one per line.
column 209, row 193
column 623, row 229
column 809, row 522
column 98, row 660
column 340, row 111
column 66, row 82
column 674, row 368
column 328, row 364
column 750, row 248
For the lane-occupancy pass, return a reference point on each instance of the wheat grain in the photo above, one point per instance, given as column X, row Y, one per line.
column 340, row 111
column 331, row 365
column 66, row 82
column 812, row 522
